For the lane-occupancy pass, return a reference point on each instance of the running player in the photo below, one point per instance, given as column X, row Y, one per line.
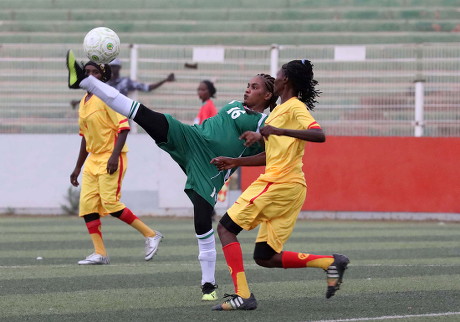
column 193, row 147
column 103, row 152
column 274, row 200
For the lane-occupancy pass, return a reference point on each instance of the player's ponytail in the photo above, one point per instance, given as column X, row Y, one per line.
column 300, row 74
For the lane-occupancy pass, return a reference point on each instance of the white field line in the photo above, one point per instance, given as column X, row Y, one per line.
column 388, row 317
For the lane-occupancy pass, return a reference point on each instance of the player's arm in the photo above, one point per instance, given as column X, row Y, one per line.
column 312, row 135
column 112, row 164
column 80, row 161
column 169, row 78
column 226, row 163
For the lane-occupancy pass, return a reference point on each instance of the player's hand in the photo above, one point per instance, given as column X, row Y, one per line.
column 224, row 163
column 112, row 164
column 74, row 103
column 268, row 130
column 250, row 138
column 74, row 177
column 171, row 78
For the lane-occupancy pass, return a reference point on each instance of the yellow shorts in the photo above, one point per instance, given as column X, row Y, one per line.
column 273, row 206
column 100, row 191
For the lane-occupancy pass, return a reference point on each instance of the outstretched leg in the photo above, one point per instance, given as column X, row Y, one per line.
column 152, row 237
column 154, row 123
column 334, row 265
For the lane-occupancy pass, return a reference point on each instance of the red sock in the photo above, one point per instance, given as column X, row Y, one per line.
column 234, row 257
column 94, row 227
column 298, row 260
column 127, row 216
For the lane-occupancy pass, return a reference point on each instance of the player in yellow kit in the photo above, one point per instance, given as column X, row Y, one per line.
column 275, row 199
column 103, row 153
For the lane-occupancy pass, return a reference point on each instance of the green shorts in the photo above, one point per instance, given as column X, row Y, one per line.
column 193, row 154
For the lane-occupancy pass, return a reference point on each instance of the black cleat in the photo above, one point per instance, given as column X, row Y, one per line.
column 236, row 302
column 335, row 273
column 76, row 72
column 209, row 292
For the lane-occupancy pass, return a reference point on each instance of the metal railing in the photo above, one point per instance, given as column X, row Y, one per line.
column 375, row 90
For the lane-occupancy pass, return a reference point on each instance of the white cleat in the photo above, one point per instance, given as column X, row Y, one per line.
column 151, row 245
column 95, row 259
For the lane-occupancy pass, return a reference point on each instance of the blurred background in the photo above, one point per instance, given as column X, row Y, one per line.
column 387, row 68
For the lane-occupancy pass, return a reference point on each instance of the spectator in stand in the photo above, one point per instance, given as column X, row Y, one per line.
column 126, row 84
column 206, row 91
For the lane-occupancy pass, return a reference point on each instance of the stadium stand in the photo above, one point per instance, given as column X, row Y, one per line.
column 234, row 22
column 36, row 34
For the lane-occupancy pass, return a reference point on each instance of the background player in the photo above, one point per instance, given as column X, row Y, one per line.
column 206, row 92
column 275, row 199
column 103, row 152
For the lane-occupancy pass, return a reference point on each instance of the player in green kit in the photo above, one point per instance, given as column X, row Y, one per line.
column 193, row 147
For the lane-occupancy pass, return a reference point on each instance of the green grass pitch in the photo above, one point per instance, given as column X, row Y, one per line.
column 401, row 271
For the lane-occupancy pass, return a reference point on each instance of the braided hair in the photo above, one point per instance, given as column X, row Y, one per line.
column 269, row 82
column 210, row 86
column 300, row 73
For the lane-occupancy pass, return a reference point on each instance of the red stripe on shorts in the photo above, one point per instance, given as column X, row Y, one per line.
column 262, row 192
column 120, row 174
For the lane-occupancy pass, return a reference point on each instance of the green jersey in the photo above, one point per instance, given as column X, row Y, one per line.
column 194, row 146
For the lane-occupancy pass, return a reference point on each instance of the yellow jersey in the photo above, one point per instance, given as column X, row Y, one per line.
column 284, row 154
column 100, row 125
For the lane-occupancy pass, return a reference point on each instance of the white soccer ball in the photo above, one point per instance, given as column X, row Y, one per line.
column 101, row 45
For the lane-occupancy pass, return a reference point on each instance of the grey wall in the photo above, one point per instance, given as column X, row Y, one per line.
column 35, row 171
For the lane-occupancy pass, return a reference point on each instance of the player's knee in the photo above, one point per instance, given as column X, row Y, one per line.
column 203, row 225
column 220, row 229
column 226, row 225
column 262, row 262
column 263, row 253
column 91, row 217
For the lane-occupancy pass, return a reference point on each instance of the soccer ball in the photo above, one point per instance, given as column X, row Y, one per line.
column 101, row 45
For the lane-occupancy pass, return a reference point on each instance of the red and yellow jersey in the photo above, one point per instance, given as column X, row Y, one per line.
column 283, row 153
column 100, row 125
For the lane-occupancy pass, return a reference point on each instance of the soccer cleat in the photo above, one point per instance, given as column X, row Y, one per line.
column 335, row 274
column 209, row 292
column 151, row 245
column 76, row 72
column 236, row 302
column 95, row 259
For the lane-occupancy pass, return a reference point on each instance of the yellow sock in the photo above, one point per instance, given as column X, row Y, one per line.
column 323, row 263
column 143, row 228
column 243, row 288
column 98, row 243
